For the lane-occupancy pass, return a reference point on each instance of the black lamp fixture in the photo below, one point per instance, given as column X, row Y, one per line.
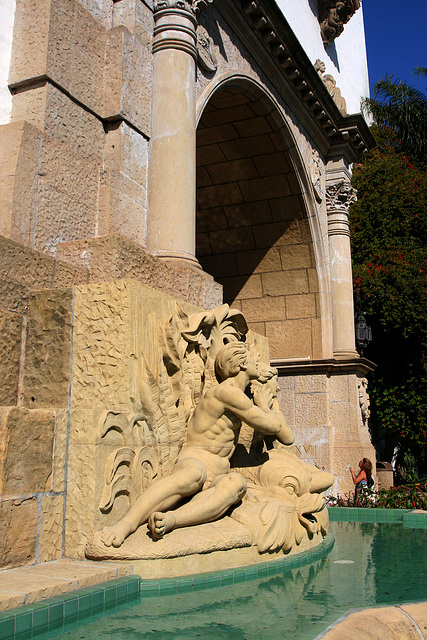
column 363, row 333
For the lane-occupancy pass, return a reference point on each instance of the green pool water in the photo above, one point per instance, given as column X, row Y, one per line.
column 370, row 564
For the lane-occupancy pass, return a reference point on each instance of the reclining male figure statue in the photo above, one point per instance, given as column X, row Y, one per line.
column 202, row 469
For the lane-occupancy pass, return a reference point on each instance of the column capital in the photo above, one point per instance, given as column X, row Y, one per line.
column 339, row 197
column 175, row 28
column 192, row 6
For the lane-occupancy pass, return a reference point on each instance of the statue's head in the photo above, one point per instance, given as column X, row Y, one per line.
column 269, row 376
column 231, row 359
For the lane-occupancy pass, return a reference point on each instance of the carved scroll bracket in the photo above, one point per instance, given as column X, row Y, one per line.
column 206, row 57
column 333, row 15
column 316, row 175
column 364, row 401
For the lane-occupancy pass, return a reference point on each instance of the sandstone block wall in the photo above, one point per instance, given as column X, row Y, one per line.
column 32, row 475
column 324, row 411
column 34, row 326
column 35, row 341
column 75, row 160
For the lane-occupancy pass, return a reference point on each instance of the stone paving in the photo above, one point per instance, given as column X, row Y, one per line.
column 405, row 622
column 29, row 584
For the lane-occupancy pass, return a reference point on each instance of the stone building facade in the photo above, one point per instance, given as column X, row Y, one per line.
column 193, row 147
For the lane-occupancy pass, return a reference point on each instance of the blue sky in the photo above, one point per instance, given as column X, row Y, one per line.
column 396, row 37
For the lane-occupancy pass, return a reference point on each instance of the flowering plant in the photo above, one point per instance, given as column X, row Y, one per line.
column 403, row 497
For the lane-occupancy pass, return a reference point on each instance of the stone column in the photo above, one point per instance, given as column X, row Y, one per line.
column 339, row 196
column 171, row 229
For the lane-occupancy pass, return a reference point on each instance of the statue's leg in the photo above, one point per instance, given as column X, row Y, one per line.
column 206, row 506
column 186, row 479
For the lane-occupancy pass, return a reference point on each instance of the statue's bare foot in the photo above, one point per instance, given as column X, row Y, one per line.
column 160, row 523
column 116, row 534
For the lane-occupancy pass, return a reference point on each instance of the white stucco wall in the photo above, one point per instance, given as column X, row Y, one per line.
column 345, row 58
column 7, row 11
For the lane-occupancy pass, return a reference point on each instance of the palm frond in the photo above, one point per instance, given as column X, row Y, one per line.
column 403, row 108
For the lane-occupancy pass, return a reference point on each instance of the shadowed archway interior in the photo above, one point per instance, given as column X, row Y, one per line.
column 253, row 234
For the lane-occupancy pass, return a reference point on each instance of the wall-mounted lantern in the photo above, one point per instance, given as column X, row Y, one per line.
column 363, row 333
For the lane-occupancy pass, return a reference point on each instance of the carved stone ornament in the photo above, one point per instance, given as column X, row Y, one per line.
column 333, row 15
column 364, row 401
column 316, row 175
column 340, row 196
column 195, row 6
column 193, row 449
column 206, row 57
column 331, row 86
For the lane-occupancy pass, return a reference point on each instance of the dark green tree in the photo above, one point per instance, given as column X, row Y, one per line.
column 389, row 245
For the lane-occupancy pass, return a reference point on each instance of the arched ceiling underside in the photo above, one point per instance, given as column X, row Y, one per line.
column 253, row 235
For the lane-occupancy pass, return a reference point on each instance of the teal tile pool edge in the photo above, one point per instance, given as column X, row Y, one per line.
column 414, row 520
column 202, row 581
column 361, row 514
column 33, row 620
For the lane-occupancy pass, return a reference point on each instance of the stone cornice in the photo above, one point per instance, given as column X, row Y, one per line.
column 331, row 366
column 348, row 135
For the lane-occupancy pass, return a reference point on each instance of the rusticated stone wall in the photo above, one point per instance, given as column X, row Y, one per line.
column 75, row 152
column 32, row 484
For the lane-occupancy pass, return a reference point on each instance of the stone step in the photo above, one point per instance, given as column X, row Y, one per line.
column 29, row 584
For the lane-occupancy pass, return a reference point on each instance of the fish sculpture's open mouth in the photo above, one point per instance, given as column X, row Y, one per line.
column 308, row 505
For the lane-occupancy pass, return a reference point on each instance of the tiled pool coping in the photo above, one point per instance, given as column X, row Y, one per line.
column 406, row 517
column 211, row 580
column 36, row 619
column 31, row 621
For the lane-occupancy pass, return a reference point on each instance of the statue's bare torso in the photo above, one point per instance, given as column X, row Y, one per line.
column 212, row 427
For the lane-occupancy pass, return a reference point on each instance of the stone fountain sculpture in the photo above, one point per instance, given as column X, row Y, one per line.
column 204, row 458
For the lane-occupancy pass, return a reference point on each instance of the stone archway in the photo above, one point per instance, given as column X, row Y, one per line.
column 253, row 234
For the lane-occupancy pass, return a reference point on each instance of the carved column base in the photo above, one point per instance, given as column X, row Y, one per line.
column 175, row 258
column 345, row 354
